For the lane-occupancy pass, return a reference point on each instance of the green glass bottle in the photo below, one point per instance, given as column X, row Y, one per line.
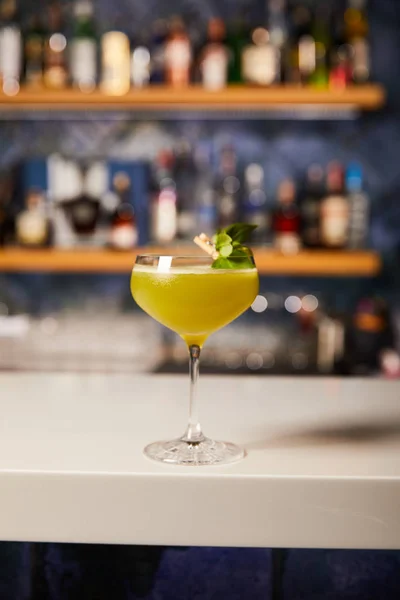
column 323, row 43
column 84, row 47
column 237, row 39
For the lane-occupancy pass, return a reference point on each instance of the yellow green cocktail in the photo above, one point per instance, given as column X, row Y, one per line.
column 193, row 299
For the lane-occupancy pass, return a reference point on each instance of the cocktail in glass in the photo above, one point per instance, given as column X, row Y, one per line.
column 193, row 299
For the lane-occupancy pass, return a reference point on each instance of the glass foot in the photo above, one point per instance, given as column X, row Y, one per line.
column 206, row 452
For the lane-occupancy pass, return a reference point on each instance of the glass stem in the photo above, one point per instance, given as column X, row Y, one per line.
column 193, row 432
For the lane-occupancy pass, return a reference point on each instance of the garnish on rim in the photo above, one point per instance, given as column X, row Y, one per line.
column 226, row 246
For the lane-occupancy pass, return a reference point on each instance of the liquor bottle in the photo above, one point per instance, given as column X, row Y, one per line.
column 140, row 64
column 340, row 73
column 116, row 63
column 278, row 33
column 157, row 51
column 261, row 59
column 178, row 54
column 287, row 219
column 32, row 225
column 204, row 195
column 83, row 57
column 55, row 51
column 164, row 205
column 356, row 20
column 255, row 203
column 227, row 188
column 321, row 35
column 123, row 231
column 184, row 176
column 214, row 57
column 356, row 28
column 299, row 56
column 34, row 44
column 358, row 207
column 7, row 218
column 237, row 39
column 307, row 58
column 83, row 211
column 335, row 209
column 369, row 334
column 310, row 206
column 10, row 47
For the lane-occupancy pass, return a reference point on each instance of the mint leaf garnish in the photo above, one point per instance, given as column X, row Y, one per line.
column 226, row 251
column 239, row 232
column 229, row 243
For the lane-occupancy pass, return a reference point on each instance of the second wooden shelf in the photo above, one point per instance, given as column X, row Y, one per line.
column 269, row 262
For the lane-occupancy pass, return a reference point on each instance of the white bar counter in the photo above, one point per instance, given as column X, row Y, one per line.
column 322, row 470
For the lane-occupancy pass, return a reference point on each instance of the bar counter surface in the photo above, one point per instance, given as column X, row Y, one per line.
column 322, row 470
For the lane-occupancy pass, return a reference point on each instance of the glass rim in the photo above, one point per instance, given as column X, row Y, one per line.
column 187, row 256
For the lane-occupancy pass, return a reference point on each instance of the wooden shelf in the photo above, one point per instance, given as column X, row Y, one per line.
column 367, row 97
column 269, row 262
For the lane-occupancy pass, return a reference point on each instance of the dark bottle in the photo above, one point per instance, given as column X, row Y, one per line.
column 157, row 51
column 34, row 43
column 83, row 212
column 286, row 220
column 7, row 218
column 369, row 334
column 228, row 188
column 310, row 206
column 123, row 231
column 10, row 47
column 204, row 195
column 55, row 52
column 237, row 38
column 185, row 175
column 299, row 54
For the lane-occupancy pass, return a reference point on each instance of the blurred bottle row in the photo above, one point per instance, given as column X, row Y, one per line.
column 299, row 43
column 120, row 204
column 299, row 334
column 284, row 333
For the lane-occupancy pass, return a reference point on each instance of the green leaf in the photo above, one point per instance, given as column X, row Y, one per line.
column 229, row 243
column 226, row 251
column 222, row 240
column 223, row 263
column 239, row 232
column 228, row 263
